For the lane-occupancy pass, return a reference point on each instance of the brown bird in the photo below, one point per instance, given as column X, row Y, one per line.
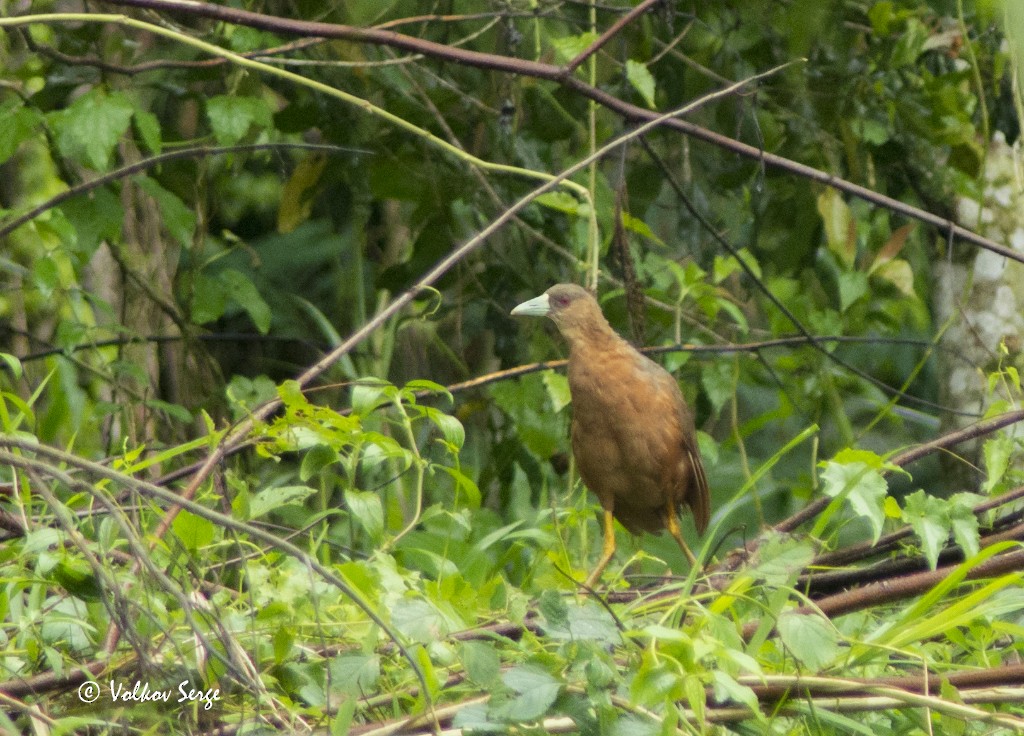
column 632, row 433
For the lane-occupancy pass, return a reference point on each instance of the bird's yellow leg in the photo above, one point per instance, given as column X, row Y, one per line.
column 606, row 552
column 672, row 522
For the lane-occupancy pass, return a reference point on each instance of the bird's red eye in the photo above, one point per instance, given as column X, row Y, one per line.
column 560, row 301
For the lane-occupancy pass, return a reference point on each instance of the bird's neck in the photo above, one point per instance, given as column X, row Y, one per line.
column 593, row 335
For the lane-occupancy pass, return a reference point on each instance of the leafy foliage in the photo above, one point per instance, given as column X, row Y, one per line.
column 303, row 483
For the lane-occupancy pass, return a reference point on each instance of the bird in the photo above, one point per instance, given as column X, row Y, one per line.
column 633, row 434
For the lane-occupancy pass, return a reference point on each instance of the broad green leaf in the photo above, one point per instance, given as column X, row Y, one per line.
column 208, row 300
column 812, row 639
column 178, row 219
column 927, row 516
column 864, row 487
column 17, row 124
column 90, row 127
column 368, row 511
column 840, row 228
column 451, row 428
column 46, row 275
column 642, row 80
column 581, row 622
column 298, row 194
column 558, row 389
column 964, row 522
column 782, row 558
column 175, row 411
column 852, row 286
column 536, row 692
column 476, row 718
column 897, row 272
column 568, row 48
column 726, row 688
column 998, row 452
column 148, row 126
column 481, row 662
column 910, row 45
column 355, row 674
column 369, row 393
column 464, row 487
column 242, row 291
column 419, row 620
column 718, row 382
column 231, row 117
column 271, row 499
column 422, row 384
column 316, row 459
column 96, row 216
column 195, row 532
column 870, row 131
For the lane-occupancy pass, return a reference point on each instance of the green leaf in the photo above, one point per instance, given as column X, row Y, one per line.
column 244, row 293
column 481, row 663
column 366, row 508
column 642, row 80
column 882, row 16
column 998, row 452
column 726, row 688
column 208, row 300
column 585, row 622
column 451, row 428
column 355, row 674
column 195, row 532
column 561, row 201
column 927, row 516
column 864, row 487
column 537, row 691
column 370, row 392
column 964, row 522
column 897, row 272
column 852, row 286
column 638, row 226
column 419, row 620
column 840, row 229
column 17, row 124
column 13, row 364
column 810, row 638
column 96, row 216
column 557, row 385
column 718, row 382
column 568, row 48
column 177, row 218
column 88, row 130
column 271, row 499
column 298, row 194
column 148, row 126
column 46, row 275
column 782, row 558
column 316, row 459
column 231, row 116
column 174, row 411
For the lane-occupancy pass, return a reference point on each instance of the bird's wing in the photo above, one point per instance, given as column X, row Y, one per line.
column 699, row 497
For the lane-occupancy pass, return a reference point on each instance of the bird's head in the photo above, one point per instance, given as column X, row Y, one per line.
column 570, row 307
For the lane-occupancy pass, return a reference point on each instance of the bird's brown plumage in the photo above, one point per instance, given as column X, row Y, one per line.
column 632, row 433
